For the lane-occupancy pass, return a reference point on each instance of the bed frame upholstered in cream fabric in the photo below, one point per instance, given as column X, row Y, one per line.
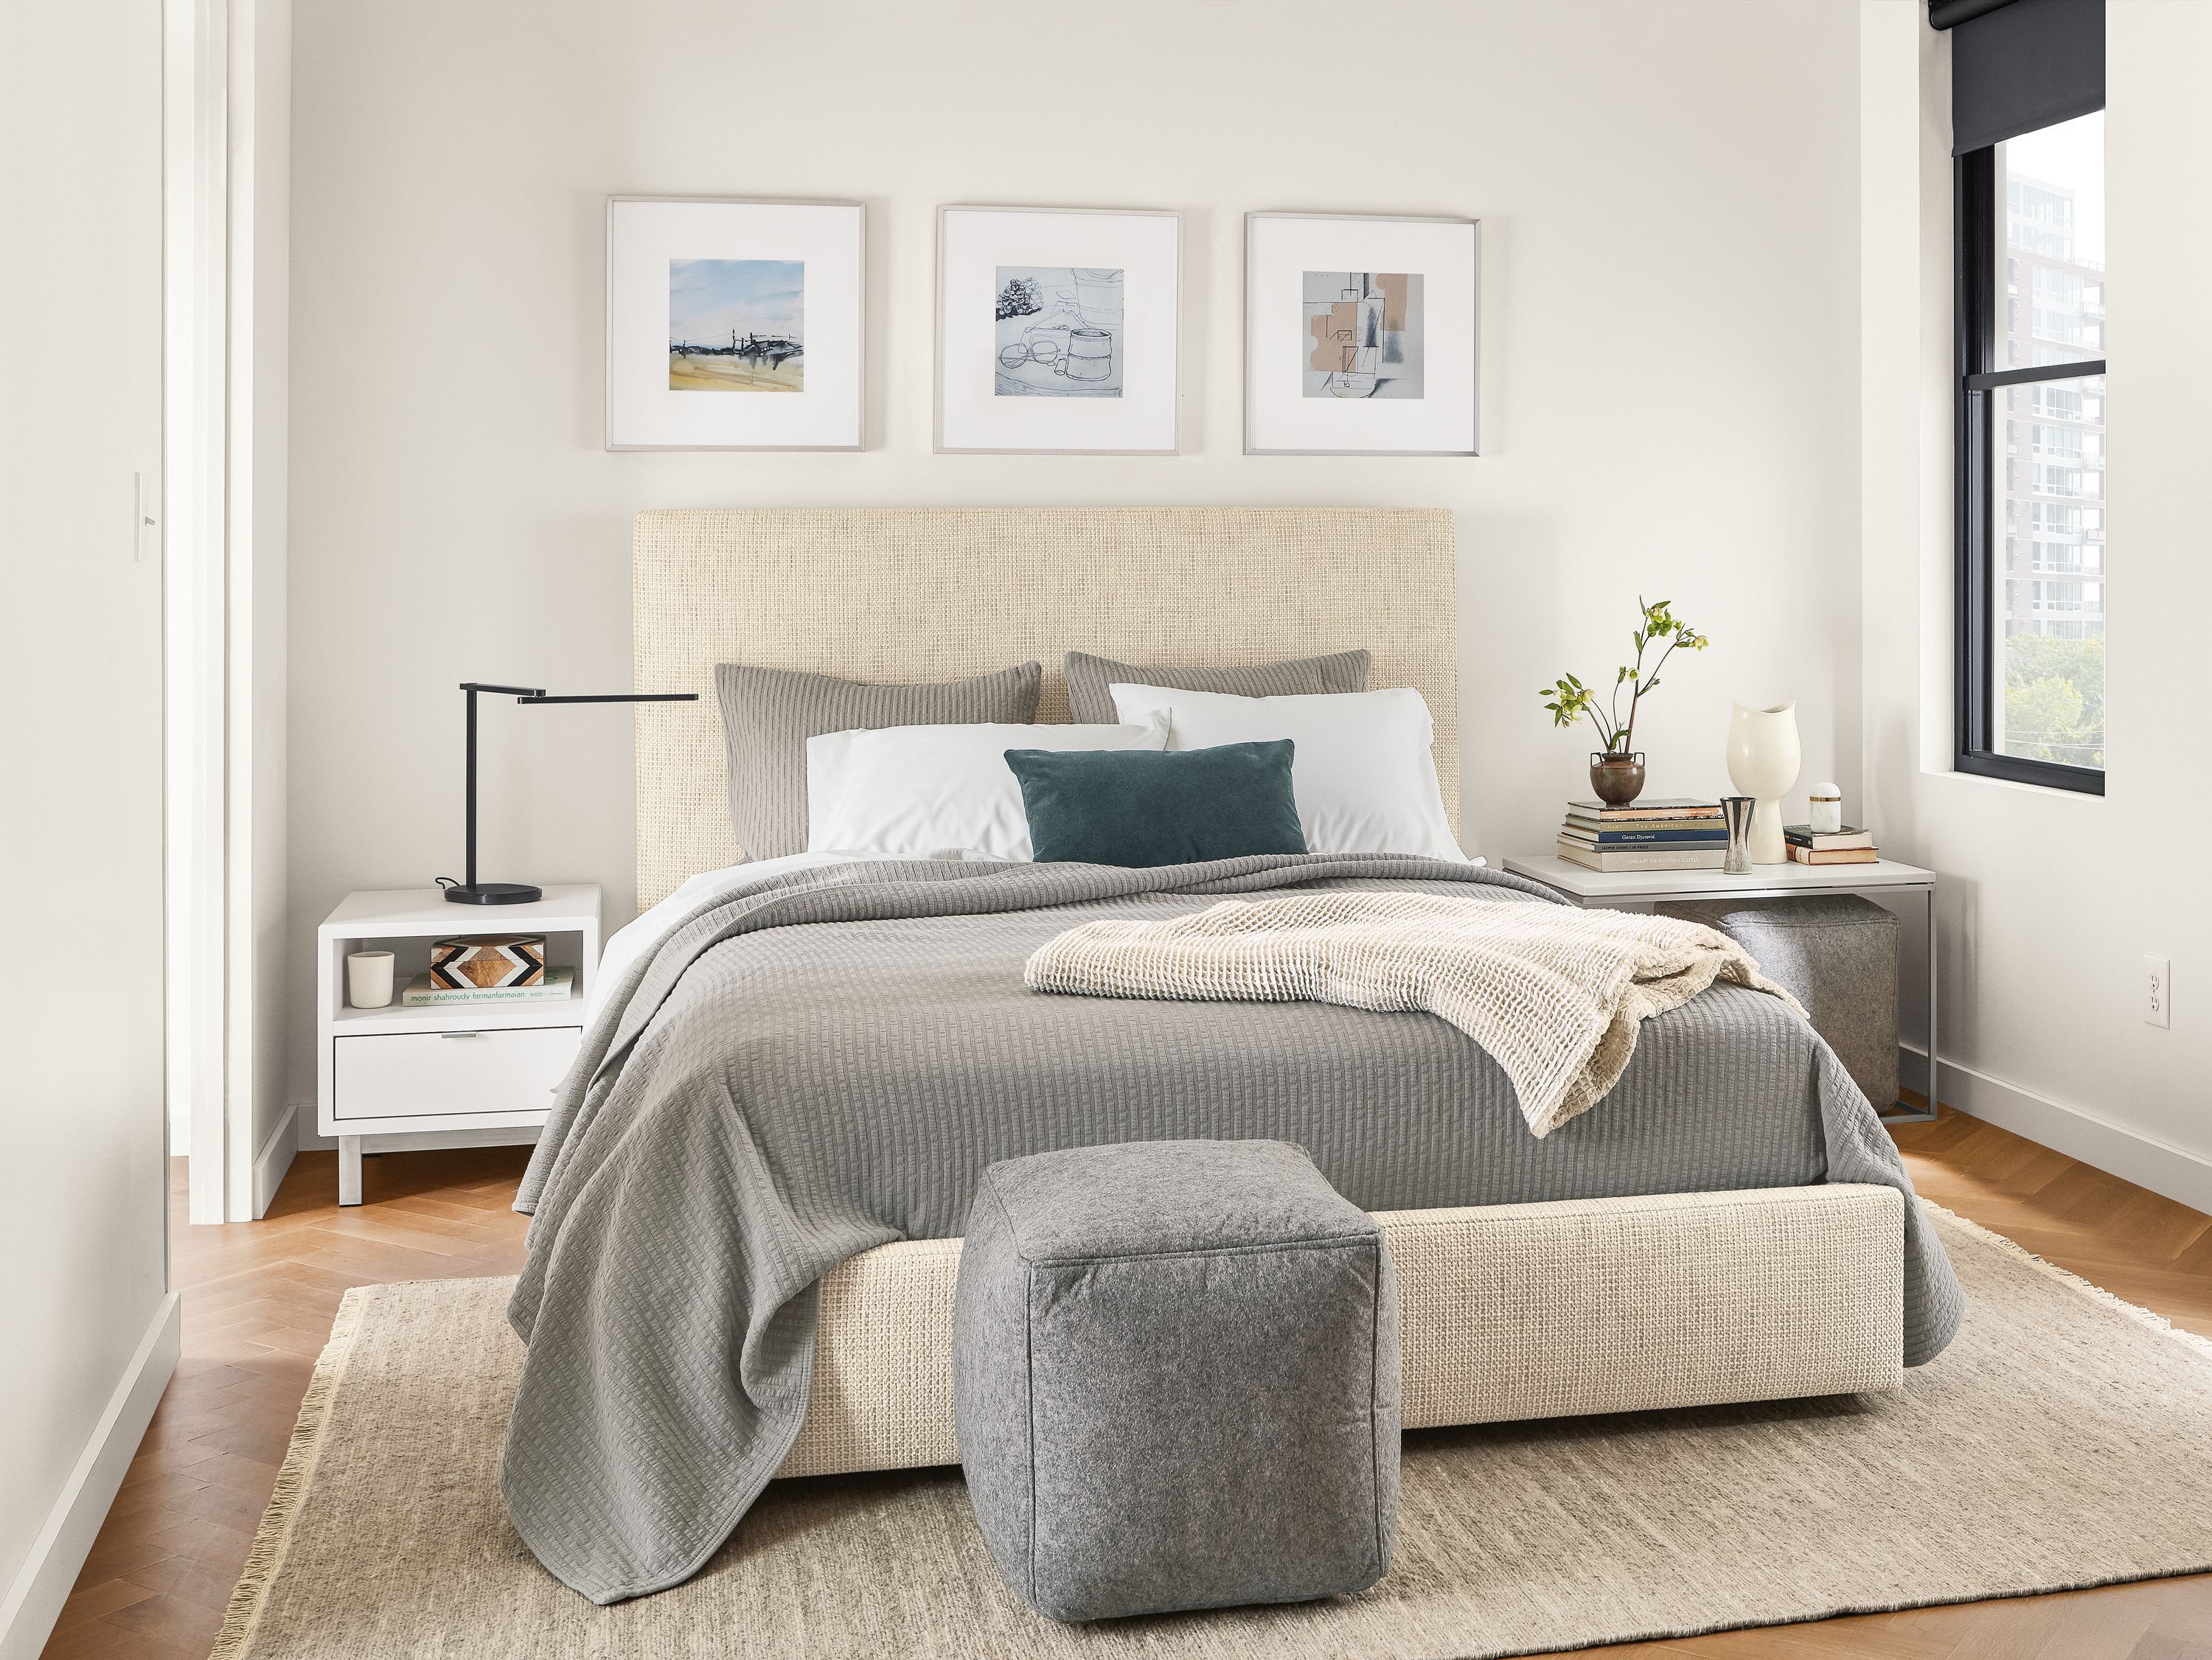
column 912, row 594
column 1506, row 1311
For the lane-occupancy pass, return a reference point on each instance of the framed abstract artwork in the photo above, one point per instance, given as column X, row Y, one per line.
column 1058, row 330
column 734, row 324
column 1360, row 335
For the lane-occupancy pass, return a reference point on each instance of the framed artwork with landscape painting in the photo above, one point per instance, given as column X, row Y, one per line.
column 1057, row 330
column 734, row 324
column 1360, row 335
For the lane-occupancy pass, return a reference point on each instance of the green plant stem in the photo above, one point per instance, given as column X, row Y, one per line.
column 1636, row 684
column 1636, row 696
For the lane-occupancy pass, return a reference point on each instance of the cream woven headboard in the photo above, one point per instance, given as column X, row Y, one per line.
column 911, row 594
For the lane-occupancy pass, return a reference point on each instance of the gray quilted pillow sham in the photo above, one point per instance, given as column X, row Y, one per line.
column 768, row 715
column 1089, row 702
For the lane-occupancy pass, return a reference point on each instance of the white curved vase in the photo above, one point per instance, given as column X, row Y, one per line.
column 1763, row 759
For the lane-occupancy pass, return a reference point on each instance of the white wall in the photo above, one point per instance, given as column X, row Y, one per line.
column 2051, row 899
column 1667, row 390
column 90, row 1331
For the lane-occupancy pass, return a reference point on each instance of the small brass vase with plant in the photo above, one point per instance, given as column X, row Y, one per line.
column 1616, row 773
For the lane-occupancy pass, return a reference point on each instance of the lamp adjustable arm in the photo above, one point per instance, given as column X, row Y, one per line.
column 470, row 891
column 606, row 697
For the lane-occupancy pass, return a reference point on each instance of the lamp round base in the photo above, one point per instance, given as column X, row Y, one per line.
column 494, row 893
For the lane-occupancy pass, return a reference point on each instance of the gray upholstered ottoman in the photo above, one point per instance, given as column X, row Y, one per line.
column 1175, row 1379
column 1836, row 954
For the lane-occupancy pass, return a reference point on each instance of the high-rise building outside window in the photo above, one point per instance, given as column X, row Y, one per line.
column 2048, row 637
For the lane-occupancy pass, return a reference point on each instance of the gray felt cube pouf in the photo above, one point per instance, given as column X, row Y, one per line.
column 1175, row 1379
column 1837, row 955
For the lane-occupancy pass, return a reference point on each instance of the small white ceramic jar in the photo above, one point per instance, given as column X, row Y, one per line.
column 1827, row 810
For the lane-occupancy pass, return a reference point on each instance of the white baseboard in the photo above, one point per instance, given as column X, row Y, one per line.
column 34, row 1601
column 274, row 1159
column 310, row 1139
column 2180, row 1175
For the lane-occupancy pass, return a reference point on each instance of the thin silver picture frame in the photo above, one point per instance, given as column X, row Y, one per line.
column 607, row 356
column 1474, row 377
column 937, row 444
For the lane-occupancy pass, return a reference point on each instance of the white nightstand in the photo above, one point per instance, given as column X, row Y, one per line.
column 394, row 1079
column 1639, row 890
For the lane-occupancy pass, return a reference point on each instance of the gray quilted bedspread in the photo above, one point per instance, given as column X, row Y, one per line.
column 826, row 1061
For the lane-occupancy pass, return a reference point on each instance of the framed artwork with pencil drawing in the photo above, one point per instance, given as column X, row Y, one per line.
column 734, row 324
column 1058, row 330
column 1360, row 335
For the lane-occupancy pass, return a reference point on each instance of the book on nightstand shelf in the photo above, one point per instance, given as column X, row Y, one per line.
column 1827, row 841
column 423, row 992
column 1644, row 858
column 1668, row 833
column 1681, row 832
column 1659, row 807
column 1849, row 845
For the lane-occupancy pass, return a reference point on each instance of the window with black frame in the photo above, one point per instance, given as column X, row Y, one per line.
column 2028, row 140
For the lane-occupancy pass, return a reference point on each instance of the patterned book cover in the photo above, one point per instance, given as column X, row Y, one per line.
column 487, row 963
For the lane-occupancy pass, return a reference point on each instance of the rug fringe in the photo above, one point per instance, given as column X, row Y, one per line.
column 274, row 1537
column 2136, row 1311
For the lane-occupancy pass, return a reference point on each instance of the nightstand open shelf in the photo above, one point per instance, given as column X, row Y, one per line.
column 397, row 1078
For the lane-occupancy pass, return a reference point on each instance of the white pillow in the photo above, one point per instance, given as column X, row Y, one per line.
column 931, row 791
column 1363, row 777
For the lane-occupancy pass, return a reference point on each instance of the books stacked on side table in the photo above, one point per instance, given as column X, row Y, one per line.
column 1664, row 834
column 1844, row 846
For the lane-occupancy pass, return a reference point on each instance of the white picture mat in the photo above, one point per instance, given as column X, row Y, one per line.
column 1280, row 250
column 644, row 234
column 972, row 243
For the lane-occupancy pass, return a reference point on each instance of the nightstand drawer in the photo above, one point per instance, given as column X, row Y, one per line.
column 437, row 1074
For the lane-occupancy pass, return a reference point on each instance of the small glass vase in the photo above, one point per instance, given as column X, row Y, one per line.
column 1618, row 777
column 1735, row 813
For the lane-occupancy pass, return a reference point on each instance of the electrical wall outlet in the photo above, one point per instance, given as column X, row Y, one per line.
column 2158, row 974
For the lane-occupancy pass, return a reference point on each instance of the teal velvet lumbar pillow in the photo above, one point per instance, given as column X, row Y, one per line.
column 1145, row 807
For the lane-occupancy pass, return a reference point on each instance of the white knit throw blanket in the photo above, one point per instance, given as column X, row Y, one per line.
column 1554, row 994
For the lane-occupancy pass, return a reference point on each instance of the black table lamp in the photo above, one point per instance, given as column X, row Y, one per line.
column 470, row 891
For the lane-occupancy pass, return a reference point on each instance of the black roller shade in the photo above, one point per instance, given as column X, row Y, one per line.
column 1949, row 14
column 2020, row 64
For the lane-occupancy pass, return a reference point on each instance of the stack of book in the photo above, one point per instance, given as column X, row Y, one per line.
column 1665, row 834
column 1844, row 846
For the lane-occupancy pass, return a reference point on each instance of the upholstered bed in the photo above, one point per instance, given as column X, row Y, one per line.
column 748, row 1198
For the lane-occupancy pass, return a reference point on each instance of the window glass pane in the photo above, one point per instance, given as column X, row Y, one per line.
column 2048, row 589
column 2048, row 611
column 2051, row 197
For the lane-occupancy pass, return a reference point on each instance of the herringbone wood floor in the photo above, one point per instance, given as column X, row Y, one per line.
column 258, row 1301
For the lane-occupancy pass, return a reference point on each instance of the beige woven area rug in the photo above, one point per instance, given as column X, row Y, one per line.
column 2065, row 1439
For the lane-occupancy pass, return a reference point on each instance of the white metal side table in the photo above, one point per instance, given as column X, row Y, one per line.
column 1639, row 890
